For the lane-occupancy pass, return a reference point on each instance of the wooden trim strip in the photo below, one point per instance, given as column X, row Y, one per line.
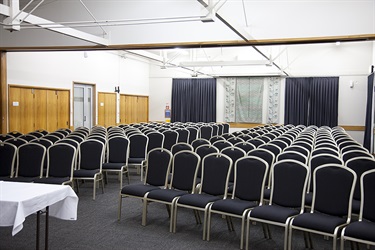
column 252, row 125
column 207, row 44
column 34, row 87
column 3, row 93
column 353, row 128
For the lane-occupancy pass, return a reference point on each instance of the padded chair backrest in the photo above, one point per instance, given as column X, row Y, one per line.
column 276, row 150
column 118, row 150
column 90, row 154
column 226, row 128
column 7, row 159
column 292, row 155
column 353, row 147
column 183, row 135
column 320, row 160
column 158, row 166
column 279, row 143
column 181, row 146
column 216, row 169
column 247, row 147
column 234, row 153
column 249, row 178
column 16, row 141
column 30, row 160
column 368, row 194
column 355, row 153
column 333, row 189
column 69, row 141
column 27, row 137
column 193, row 134
column 235, row 140
column 52, row 138
column 256, row 142
column 198, row 142
column 217, row 138
column 138, row 146
column 60, row 160
column 299, row 149
column 222, row 144
column 264, row 154
column 220, row 128
column 6, row 137
column 215, row 129
column 155, row 140
column 184, row 170
column 360, row 165
column 76, row 138
column 45, row 142
column 205, row 132
column 227, row 136
column 170, row 138
column 325, row 150
column 289, row 183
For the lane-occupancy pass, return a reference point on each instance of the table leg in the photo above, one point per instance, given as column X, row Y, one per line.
column 37, row 229
column 47, row 226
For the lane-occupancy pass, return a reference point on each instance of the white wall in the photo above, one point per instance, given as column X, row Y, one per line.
column 60, row 69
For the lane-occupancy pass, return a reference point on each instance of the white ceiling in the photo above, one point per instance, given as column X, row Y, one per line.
column 178, row 23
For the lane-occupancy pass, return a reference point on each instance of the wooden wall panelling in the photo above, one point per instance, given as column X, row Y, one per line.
column 142, row 109
column 21, row 110
column 51, row 110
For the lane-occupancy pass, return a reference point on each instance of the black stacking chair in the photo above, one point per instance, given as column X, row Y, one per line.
column 227, row 136
column 269, row 157
column 184, row 173
column 156, row 177
column 52, row 137
column 16, row 142
column 193, row 133
column 247, row 147
column 200, row 141
column 45, row 142
column 61, row 159
column 205, row 132
column 117, row 157
column 226, row 128
column 217, row 138
column 216, row 169
column 27, row 137
column 249, row 180
column 69, row 141
column 180, row 146
column 325, row 150
column 155, row 140
column 353, row 147
column 299, row 149
column 256, row 142
column 8, row 154
column 235, row 140
column 138, row 151
column 76, row 138
column 355, row 153
column 170, row 139
column 363, row 230
column 281, row 144
column 314, row 162
column 359, row 165
column 4, row 137
column 289, row 181
column 203, row 151
column 286, row 155
column 30, row 159
column 222, row 144
column 183, row 135
column 234, row 153
column 89, row 163
column 15, row 133
column 331, row 204
column 276, row 150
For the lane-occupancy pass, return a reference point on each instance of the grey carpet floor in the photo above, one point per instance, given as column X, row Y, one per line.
column 97, row 227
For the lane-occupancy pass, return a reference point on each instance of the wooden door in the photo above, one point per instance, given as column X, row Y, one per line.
column 142, row 109
column 51, row 110
column 107, row 109
column 133, row 109
column 21, row 109
column 63, row 109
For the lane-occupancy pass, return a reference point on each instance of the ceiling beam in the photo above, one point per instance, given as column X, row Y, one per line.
column 43, row 23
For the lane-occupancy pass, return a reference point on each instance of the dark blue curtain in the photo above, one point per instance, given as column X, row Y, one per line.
column 324, row 98
column 311, row 101
column 193, row 100
column 367, row 140
column 296, row 100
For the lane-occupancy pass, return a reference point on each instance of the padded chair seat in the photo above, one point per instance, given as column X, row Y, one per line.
column 85, row 173
column 197, row 200
column 363, row 230
column 273, row 213
column 137, row 189
column 111, row 165
column 233, row 206
column 52, row 180
column 356, row 204
column 318, row 222
column 166, row 195
column 135, row 160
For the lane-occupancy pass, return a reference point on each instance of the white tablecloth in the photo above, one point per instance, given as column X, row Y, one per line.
column 18, row 200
